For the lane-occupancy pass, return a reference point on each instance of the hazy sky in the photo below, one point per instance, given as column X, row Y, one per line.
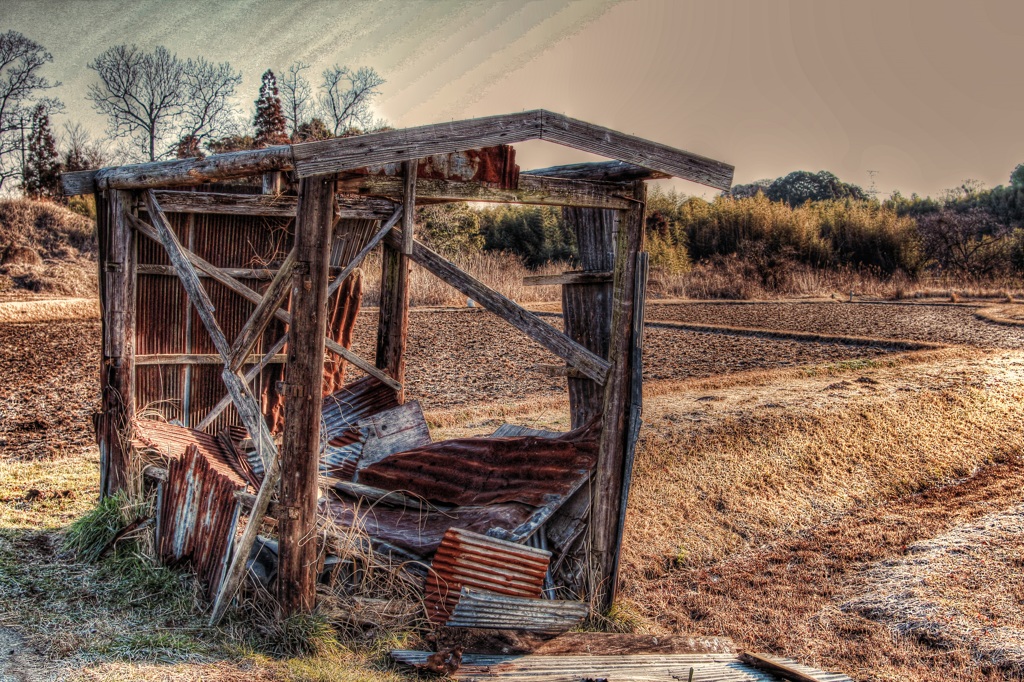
column 926, row 93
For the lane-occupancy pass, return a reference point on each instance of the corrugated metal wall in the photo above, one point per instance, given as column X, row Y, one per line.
column 167, row 324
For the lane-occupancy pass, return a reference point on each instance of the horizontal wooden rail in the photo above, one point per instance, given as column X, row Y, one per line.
column 200, row 359
column 568, row 278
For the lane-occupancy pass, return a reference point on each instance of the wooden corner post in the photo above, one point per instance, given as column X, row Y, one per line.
column 393, row 330
column 609, row 488
column 303, row 397
column 117, row 263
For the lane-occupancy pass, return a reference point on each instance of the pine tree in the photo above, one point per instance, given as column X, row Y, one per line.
column 42, row 166
column 269, row 120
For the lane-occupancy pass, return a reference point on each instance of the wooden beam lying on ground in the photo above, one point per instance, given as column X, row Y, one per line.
column 532, row 190
column 245, row 292
column 547, row 336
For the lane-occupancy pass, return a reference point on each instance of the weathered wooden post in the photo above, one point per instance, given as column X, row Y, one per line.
column 587, row 308
column 117, row 305
column 394, row 289
column 610, row 473
column 303, row 399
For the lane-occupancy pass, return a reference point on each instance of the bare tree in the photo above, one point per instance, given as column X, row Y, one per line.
column 153, row 99
column 79, row 150
column 347, row 95
column 209, row 110
column 21, row 59
column 296, row 96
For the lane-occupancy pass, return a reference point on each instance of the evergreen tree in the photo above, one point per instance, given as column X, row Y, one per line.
column 269, row 120
column 42, row 166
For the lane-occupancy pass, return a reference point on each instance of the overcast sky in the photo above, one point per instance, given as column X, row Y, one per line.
column 926, row 93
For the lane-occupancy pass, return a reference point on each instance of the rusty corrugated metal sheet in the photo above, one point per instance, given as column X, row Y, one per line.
column 493, row 166
column 466, row 559
column 466, row 471
column 167, row 325
column 481, row 609
column 648, row 667
column 359, row 399
column 172, row 441
column 417, row 532
column 198, row 515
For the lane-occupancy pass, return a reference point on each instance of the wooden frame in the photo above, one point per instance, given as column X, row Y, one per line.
column 602, row 302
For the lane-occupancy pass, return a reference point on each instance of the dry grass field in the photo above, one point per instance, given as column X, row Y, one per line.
column 840, row 483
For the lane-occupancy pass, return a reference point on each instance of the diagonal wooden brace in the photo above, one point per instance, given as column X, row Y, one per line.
column 591, row 365
column 273, row 298
column 245, row 292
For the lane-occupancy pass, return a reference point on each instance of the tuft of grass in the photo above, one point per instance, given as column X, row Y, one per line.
column 300, row 634
column 93, row 532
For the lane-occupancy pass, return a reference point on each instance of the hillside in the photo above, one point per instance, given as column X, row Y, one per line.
column 45, row 249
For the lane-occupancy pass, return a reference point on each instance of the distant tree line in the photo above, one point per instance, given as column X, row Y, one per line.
column 160, row 106
column 803, row 217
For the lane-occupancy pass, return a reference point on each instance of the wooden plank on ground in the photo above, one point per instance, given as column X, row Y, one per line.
column 547, row 336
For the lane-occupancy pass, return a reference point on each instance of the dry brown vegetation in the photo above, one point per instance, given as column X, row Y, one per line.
column 46, row 248
column 790, row 481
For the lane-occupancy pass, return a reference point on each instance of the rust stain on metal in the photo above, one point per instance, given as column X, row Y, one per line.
column 417, row 532
column 173, row 441
column 472, row 471
column 466, row 559
column 492, row 166
column 198, row 515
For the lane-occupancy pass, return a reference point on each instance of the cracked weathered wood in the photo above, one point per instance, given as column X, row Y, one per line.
column 257, row 323
column 540, row 191
column 303, row 389
column 605, row 171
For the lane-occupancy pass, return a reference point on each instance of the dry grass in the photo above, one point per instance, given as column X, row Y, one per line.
column 500, row 271
column 743, row 464
column 957, row 590
column 62, row 239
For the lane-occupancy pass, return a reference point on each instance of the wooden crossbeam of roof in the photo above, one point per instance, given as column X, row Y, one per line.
column 347, row 153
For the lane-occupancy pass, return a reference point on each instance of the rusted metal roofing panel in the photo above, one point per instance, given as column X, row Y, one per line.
column 481, row 609
column 493, row 166
column 464, row 471
column 647, row 667
column 172, row 441
column 391, row 431
column 419, row 532
column 360, row 399
column 466, row 559
column 198, row 516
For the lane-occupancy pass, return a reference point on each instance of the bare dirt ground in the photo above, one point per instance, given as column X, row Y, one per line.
column 775, row 478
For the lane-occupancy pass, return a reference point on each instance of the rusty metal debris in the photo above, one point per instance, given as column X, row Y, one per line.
column 198, row 513
column 482, row 609
column 466, row 559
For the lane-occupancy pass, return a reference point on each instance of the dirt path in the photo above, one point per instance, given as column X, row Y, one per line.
column 49, row 310
column 17, row 662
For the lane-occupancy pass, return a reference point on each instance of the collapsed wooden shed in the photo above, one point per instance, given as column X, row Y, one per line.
column 227, row 312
